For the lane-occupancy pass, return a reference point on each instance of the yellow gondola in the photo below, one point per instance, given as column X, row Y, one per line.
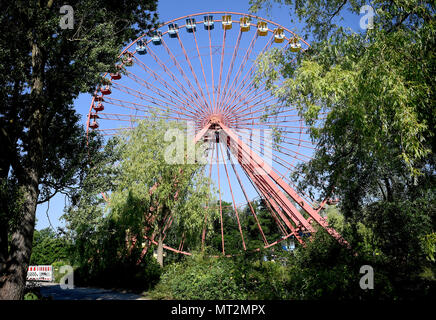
column 244, row 23
column 262, row 28
column 295, row 44
column 279, row 35
column 227, row 22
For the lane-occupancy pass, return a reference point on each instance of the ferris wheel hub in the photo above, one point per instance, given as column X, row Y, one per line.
column 216, row 118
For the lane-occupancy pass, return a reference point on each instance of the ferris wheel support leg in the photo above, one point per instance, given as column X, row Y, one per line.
column 272, row 203
column 276, row 180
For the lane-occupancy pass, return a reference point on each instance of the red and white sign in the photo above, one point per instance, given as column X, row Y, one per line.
column 40, row 273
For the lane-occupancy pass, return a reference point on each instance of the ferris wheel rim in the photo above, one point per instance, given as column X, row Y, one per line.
column 125, row 50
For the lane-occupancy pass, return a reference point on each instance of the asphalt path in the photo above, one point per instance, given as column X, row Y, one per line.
column 79, row 293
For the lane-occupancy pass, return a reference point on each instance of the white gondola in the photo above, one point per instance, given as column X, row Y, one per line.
column 140, row 47
column 208, row 23
column 156, row 38
column 173, row 30
column 191, row 25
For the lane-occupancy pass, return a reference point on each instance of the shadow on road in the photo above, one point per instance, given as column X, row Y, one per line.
column 57, row 293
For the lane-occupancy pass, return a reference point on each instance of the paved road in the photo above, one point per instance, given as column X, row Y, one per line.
column 78, row 293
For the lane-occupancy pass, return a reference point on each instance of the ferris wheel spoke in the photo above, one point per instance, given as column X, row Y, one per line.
column 246, row 56
column 236, row 86
column 235, row 53
column 126, row 117
column 251, row 71
column 223, row 47
column 203, row 236
column 220, row 206
column 202, row 69
column 262, row 107
column 246, row 98
column 248, row 201
column 276, row 125
column 285, row 165
column 159, row 92
column 187, row 94
column 211, row 70
column 196, row 96
column 249, row 138
column 139, row 107
column 169, row 72
column 233, row 197
column 153, row 100
column 285, row 117
column 252, row 108
column 188, row 60
column 173, row 92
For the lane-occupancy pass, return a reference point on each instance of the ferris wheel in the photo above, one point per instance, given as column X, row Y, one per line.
column 200, row 68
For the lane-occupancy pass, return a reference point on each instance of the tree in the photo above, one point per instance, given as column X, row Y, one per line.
column 44, row 68
column 48, row 247
column 151, row 190
column 376, row 145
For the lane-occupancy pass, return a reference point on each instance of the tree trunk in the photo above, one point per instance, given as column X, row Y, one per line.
column 160, row 250
column 13, row 281
column 13, row 277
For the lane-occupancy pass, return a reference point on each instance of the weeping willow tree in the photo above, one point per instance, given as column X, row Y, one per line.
column 158, row 187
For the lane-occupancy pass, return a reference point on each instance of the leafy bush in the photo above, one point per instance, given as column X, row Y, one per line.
column 199, row 278
column 30, row 296
column 207, row 278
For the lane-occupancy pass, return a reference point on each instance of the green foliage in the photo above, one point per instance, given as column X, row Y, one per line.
column 250, row 229
column 108, row 239
column 208, row 278
column 376, row 144
column 429, row 246
column 179, row 189
column 48, row 247
column 199, row 278
column 30, row 296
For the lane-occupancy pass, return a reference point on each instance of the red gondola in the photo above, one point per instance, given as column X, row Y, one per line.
column 98, row 107
column 93, row 125
column 106, row 90
column 115, row 76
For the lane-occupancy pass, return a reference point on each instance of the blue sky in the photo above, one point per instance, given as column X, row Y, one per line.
column 168, row 10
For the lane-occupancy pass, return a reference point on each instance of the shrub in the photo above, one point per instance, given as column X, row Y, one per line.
column 200, row 278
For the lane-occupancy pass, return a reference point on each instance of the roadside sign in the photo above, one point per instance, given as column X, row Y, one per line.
column 40, row 273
